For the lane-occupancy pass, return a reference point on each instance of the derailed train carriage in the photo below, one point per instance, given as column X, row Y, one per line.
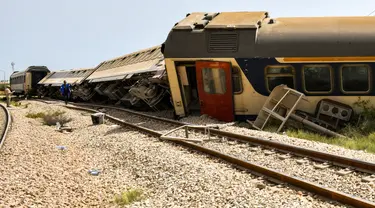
column 49, row 86
column 25, row 82
column 226, row 64
column 136, row 80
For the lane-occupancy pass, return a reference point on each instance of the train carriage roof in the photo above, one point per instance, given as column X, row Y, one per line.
column 255, row 34
column 30, row 69
column 124, row 67
column 73, row 77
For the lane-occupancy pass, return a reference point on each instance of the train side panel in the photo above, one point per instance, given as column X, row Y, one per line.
column 254, row 87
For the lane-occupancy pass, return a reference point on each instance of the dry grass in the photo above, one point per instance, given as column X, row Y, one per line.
column 51, row 118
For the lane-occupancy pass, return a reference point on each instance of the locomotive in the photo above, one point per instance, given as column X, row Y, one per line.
column 226, row 64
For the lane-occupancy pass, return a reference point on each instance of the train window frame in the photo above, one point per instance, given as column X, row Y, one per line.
column 266, row 75
column 239, row 74
column 331, row 78
column 369, row 74
column 223, row 85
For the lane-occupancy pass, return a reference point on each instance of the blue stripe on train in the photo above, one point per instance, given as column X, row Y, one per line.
column 253, row 68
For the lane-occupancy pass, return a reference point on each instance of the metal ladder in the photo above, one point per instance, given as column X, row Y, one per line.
column 280, row 109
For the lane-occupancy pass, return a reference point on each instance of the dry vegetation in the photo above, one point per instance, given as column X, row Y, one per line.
column 50, row 118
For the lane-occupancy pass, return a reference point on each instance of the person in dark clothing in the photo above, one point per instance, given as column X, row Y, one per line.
column 65, row 91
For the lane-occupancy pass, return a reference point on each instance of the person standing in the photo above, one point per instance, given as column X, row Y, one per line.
column 65, row 91
column 8, row 95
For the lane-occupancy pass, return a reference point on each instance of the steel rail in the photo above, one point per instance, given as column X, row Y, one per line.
column 268, row 173
column 337, row 160
column 7, row 124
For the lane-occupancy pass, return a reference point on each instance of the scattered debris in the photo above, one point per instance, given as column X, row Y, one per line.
column 282, row 103
column 94, row 172
column 58, row 126
column 97, row 118
column 330, row 113
column 315, row 126
column 61, row 147
column 63, row 129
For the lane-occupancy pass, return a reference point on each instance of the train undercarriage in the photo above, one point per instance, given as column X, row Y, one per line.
column 142, row 92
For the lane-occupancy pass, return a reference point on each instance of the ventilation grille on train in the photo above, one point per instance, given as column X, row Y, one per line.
column 222, row 42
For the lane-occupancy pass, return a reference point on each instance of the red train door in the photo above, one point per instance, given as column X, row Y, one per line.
column 214, row 80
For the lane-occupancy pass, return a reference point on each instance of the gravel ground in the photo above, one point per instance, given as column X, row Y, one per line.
column 141, row 121
column 231, row 127
column 357, row 154
column 34, row 172
column 350, row 184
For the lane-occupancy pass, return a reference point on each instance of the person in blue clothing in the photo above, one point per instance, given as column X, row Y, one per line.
column 65, row 91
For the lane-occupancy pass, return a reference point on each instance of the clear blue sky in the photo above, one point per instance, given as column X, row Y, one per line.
column 65, row 34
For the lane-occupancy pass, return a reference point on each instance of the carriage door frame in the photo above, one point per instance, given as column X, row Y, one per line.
column 215, row 97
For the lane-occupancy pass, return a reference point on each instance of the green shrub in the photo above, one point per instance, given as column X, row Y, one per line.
column 128, row 197
column 360, row 132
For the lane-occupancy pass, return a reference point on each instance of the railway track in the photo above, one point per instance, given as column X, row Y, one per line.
column 4, row 123
column 257, row 147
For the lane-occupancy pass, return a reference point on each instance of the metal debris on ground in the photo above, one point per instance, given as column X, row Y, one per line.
column 282, row 104
column 65, row 129
column 58, row 125
column 94, row 172
column 61, row 147
column 97, row 118
column 186, row 138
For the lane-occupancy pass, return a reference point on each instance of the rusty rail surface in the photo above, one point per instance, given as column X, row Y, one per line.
column 337, row 160
column 7, row 123
column 268, row 173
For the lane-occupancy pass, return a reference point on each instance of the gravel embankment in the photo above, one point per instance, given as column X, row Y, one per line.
column 141, row 121
column 350, row 184
column 34, row 172
column 205, row 120
column 357, row 154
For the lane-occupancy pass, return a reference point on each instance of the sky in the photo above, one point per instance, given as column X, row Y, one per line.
column 66, row 34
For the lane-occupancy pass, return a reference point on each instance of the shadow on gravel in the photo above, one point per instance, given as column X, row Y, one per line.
column 117, row 130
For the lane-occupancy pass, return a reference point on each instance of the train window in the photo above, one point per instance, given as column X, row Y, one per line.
column 317, row 78
column 236, row 80
column 279, row 74
column 214, row 80
column 355, row 78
